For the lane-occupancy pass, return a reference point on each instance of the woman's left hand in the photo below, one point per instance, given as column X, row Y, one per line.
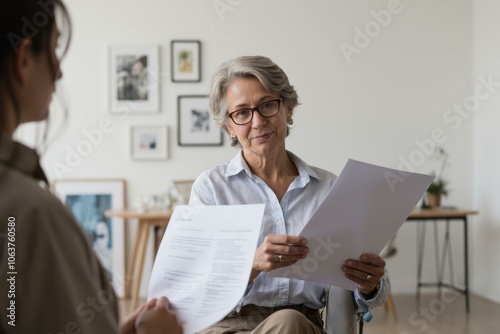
column 366, row 272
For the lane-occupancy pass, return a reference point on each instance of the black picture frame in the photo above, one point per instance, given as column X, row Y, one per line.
column 185, row 60
column 195, row 124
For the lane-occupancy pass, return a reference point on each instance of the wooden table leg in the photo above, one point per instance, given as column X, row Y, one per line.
column 131, row 267
column 144, row 234
column 390, row 306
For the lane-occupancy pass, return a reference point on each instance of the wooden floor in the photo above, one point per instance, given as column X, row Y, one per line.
column 438, row 316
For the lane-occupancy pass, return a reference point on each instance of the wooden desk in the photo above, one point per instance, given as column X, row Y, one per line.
column 435, row 215
column 146, row 220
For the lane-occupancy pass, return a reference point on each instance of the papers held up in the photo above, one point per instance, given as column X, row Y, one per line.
column 362, row 212
column 204, row 261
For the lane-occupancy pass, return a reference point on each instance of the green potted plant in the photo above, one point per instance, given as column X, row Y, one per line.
column 439, row 186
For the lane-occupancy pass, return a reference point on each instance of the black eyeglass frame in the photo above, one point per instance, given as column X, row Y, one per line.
column 255, row 109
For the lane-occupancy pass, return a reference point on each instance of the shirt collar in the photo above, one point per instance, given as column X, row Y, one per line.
column 238, row 165
column 17, row 156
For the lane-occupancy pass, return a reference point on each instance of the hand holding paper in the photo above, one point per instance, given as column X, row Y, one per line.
column 364, row 209
column 204, row 261
column 277, row 251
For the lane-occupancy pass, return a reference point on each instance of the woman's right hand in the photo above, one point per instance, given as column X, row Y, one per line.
column 158, row 318
column 278, row 251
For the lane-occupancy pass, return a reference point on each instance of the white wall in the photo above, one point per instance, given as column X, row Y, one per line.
column 486, row 229
column 393, row 92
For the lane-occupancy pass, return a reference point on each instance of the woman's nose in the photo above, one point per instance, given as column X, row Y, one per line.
column 257, row 120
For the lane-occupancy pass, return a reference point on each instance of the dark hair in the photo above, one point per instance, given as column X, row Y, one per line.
column 28, row 19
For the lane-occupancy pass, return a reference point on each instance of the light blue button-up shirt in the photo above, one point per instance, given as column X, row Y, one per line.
column 233, row 183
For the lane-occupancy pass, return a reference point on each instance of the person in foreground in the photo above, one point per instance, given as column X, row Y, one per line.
column 50, row 278
column 253, row 101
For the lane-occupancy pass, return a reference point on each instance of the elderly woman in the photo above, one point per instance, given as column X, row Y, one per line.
column 253, row 101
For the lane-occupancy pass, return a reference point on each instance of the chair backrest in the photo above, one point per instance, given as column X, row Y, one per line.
column 184, row 188
column 340, row 312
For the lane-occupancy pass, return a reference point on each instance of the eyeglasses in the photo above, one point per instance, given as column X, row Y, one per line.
column 245, row 115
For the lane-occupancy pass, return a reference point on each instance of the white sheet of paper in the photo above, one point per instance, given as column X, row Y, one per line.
column 204, row 261
column 362, row 212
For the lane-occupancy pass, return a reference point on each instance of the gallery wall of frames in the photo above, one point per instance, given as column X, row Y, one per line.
column 134, row 89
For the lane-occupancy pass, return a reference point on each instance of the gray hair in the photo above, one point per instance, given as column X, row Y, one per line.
column 270, row 76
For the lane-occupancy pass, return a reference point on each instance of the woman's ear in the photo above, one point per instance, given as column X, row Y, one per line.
column 22, row 61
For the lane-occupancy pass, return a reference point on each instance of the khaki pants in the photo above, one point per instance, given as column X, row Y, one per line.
column 292, row 319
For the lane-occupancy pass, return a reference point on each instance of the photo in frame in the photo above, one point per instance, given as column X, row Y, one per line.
column 196, row 126
column 88, row 200
column 134, row 82
column 185, row 60
column 149, row 142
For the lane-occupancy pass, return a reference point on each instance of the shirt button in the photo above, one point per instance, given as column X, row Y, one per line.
column 279, row 223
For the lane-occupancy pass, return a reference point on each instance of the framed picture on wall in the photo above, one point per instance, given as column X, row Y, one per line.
column 185, row 61
column 149, row 142
column 134, row 79
column 88, row 200
column 196, row 126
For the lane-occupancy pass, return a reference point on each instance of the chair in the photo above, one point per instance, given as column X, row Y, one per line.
column 339, row 314
column 389, row 251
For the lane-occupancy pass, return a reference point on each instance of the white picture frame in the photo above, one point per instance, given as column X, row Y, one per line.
column 88, row 199
column 134, row 81
column 149, row 142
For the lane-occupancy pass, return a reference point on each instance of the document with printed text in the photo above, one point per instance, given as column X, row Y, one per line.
column 362, row 212
column 204, row 261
